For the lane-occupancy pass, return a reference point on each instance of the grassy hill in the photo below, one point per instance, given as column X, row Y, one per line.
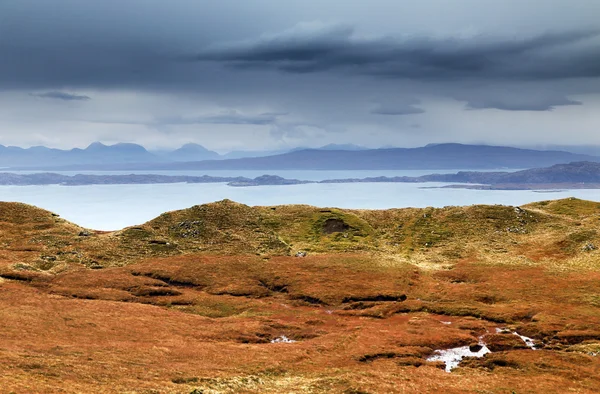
column 194, row 299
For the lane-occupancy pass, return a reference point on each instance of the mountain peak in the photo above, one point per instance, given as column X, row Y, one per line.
column 95, row 145
column 120, row 146
column 193, row 152
column 191, row 146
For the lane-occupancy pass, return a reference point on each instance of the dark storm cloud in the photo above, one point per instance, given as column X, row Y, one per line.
column 61, row 96
column 547, row 56
column 49, row 58
column 309, row 72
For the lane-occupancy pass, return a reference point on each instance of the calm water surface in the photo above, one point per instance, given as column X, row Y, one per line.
column 111, row 207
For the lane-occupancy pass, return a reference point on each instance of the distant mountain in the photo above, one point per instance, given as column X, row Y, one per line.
column 241, row 154
column 348, row 147
column 342, row 147
column 593, row 150
column 95, row 154
column 249, row 154
column 442, row 156
column 433, row 157
column 192, row 152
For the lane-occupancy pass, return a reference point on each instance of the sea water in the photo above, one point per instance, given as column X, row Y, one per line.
column 111, row 207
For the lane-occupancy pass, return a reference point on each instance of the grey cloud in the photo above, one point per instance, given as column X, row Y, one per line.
column 139, row 44
column 142, row 46
column 524, row 100
column 61, row 96
column 397, row 109
column 548, row 56
column 229, row 117
column 547, row 105
column 144, row 62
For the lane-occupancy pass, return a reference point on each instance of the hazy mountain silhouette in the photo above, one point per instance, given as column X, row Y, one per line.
column 441, row 156
column 194, row 157
column 264, row 153
column 96, row 153
column 192, row 152
column 342, row 147
column 241, row 154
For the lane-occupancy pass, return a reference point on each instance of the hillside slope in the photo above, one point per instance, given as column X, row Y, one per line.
column 211, row 299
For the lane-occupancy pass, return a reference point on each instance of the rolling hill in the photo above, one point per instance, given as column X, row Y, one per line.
column 212, row 299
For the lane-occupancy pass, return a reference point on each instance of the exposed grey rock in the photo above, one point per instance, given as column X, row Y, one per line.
column 589, row 247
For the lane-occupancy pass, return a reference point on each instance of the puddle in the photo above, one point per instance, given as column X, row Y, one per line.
column 282, row 339
column 528, row 341
column 453, row 357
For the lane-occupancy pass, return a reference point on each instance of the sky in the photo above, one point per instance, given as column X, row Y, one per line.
column 273, row 74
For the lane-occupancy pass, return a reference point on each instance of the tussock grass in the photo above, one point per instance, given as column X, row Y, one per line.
column 192, row 300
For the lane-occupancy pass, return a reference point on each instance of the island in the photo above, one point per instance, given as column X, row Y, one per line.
column 576, row 175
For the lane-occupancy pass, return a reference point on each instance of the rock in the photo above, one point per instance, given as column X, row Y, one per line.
column 475, row 347
column 517, row 230
column 158, row 242
column 188, row 229
column 334, row 225
column 589, row 247
column 84, row 234
column 301, row 254
column 282, row 339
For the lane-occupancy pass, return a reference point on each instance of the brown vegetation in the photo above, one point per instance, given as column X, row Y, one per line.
column 191, row 301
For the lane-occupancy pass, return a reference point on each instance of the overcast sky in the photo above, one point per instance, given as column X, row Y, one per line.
column 268, row 74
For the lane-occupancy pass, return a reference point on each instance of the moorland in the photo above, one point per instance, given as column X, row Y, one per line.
column 228, row 298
